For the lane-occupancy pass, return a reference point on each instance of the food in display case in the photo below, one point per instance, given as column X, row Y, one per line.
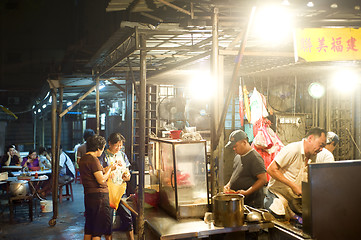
column 183, row 178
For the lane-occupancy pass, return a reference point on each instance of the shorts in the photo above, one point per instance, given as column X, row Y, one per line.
column 98, row 214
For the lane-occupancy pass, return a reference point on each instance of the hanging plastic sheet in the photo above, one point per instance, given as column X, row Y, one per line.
column 258, row 109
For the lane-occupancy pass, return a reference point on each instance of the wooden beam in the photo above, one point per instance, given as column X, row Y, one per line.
column 175, row 7
column 77, row 101
column 116, row 84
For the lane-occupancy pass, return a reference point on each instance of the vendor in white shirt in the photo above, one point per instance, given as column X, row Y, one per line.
column 326, row 154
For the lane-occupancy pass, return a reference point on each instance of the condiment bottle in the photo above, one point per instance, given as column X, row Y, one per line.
column 36, row 175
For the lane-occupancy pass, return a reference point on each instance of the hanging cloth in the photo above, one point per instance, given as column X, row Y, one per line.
column 247, row 109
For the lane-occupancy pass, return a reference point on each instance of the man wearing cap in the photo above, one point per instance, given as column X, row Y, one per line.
column 289, row 169
column 249, row 172
column 326, row 155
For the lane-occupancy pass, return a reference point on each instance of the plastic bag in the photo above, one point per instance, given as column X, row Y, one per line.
column 258, row 109
column 117, row 174
column 262, row 139
column 116, row 186
column 116, row 192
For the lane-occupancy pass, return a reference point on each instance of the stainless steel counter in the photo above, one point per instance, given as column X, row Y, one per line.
column 164, row 226
column 285, row 230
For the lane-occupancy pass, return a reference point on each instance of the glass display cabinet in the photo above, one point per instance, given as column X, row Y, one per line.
column 183, row 184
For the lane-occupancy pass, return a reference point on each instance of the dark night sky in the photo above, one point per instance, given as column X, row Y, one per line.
column 44, row 37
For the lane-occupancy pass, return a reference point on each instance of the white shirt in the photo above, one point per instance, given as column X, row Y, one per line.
column 290, row 160
column 65, row 161
column 325, row 156
column 44, row 162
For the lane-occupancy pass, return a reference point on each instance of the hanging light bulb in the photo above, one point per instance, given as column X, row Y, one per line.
column 285, row 3
column 316, row 90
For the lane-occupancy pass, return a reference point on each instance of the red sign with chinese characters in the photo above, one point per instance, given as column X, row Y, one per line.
column 328, row 44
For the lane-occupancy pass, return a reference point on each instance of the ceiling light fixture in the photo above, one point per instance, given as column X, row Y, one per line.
column 357, row 7
column 310, row 4
column 68, row 104
column 44, row 105
column 273, row 24
column 285, row 3
column 201, row 86
column 334, row 5
column 345, row 81
column 316, row 90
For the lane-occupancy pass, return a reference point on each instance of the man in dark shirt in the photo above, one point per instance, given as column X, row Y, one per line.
column 11, row 157
column 249, row 172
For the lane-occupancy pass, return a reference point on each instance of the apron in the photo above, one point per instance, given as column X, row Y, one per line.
column 291, row 202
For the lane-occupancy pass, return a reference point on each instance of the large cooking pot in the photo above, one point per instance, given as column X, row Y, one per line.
column 228, row 210
column 19, row 188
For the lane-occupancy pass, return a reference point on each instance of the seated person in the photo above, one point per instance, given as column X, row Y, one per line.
column 66, row 170
column 11, row 158
column 31, row 160
column 44, row 157
column 66, row 174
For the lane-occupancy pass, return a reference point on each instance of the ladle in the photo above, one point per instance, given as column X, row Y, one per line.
column 266, row 216
column 252, row 216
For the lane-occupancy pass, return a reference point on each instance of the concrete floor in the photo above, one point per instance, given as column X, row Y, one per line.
column 69, row 223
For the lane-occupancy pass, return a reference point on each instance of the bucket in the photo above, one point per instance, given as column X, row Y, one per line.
column 46, row 206
column 175, row 134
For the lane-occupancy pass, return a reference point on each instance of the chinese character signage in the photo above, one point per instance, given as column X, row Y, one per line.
column 328, row 44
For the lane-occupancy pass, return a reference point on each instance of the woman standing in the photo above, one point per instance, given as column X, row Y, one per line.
column 98, row 217
column 114, row 155
column 31, row 160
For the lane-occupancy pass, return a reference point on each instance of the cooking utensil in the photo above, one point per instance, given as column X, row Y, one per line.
column 266, row 216
column 228, row 210
column 252, row 216
column 19, row 188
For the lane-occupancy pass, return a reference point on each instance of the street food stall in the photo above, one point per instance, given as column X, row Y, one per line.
column 179, row 169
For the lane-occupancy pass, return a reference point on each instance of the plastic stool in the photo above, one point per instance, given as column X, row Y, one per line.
column 68, row 193
column 77, row 175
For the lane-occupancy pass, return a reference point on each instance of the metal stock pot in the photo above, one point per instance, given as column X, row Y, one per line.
column 228, row 210
column 19, row 188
